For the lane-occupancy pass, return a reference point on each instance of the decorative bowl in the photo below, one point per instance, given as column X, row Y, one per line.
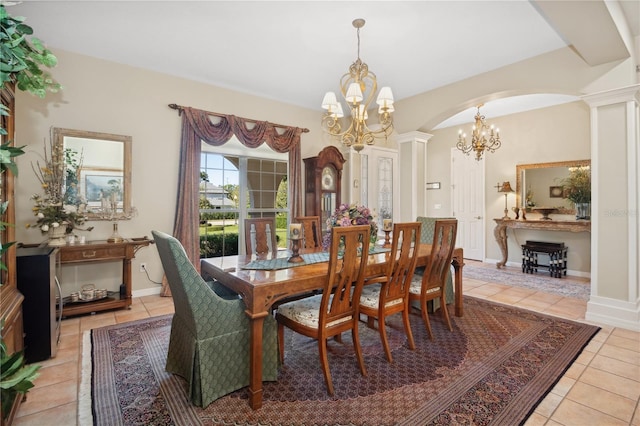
column 545, row 212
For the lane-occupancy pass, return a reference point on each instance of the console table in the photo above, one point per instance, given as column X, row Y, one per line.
column 102, row 251
column 500, row 231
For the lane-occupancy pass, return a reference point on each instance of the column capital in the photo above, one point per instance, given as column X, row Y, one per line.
column 614, row 96
column 413, row 136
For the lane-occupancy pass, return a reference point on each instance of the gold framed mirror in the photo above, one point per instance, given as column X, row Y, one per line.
column 540, row 185
column 102, row 164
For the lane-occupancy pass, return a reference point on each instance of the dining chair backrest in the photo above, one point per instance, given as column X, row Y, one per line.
column 405, row 243
column 388, row 293
column 341, row 295
column 444, row 240
column 311, row 231
column 260, row 235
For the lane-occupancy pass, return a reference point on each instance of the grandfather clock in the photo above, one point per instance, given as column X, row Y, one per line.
column 323, row 183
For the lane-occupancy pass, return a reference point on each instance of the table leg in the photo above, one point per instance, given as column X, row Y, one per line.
column 458, row 263
column 500, row 233
column 255, row 362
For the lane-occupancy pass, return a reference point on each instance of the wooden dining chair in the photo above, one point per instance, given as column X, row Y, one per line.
column 260, row 235
column 311, row 231
column 336, row 310
column 434, row 279
column 388, row 294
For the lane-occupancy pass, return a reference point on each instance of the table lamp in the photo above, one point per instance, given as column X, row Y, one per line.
column 506, row 188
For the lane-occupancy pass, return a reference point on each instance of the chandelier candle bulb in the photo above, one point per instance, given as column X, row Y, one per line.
column 295, row 231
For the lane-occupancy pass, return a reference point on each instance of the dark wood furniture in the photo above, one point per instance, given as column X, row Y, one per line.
column 102, row 251
column 311, row 231
column 260, row 289
column 500, row 231
column 323, row 183
column 391, row 294
column 557, row 253
column 36, row 268
column 345, row 277
column 10, row 298
column 434, row 278
column 260, row 235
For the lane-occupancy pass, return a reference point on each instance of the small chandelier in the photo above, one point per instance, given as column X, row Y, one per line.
column 358, row 88
column 479, row 141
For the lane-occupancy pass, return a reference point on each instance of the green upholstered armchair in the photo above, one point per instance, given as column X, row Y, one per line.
column 426, row 237
column 209, row 342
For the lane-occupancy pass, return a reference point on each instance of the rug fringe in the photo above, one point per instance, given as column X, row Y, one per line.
column 85, row 415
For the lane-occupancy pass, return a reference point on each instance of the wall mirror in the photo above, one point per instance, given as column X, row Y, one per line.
column 540, row 185
column 103, row 178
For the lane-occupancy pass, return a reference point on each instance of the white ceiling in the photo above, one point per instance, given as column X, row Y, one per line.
column 294, row 51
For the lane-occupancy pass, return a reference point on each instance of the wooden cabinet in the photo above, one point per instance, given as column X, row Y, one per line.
column 96, row 252
column 323, row 183
column 10, row 297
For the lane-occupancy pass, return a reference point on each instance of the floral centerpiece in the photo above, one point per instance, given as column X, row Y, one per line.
column 60, row 206
column 350, row 215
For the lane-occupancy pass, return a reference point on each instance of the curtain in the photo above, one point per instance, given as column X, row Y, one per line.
column 216, row 129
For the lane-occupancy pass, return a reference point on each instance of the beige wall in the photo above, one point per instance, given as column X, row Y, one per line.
column 559, row 133
column 106, row 97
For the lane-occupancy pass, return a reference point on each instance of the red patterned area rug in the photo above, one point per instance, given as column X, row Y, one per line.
column 493, row 369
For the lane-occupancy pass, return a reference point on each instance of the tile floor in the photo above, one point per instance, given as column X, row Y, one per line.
column 602, row 387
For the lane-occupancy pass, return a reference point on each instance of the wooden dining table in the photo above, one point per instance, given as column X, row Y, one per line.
column 261, row 288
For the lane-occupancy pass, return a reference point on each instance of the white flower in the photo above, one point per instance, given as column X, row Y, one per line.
column 40, row 215
column 69, row 208
column 55, row 224
column 44, row 228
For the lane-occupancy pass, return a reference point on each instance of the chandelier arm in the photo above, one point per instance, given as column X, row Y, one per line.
column 358, row 133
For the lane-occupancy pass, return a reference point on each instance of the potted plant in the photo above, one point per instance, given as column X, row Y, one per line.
column 577, row 188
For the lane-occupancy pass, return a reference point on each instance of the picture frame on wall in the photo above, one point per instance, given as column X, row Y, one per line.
column 556, row 191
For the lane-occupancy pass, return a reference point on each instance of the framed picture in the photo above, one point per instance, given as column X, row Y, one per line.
column 97, row 186
column 555, row 191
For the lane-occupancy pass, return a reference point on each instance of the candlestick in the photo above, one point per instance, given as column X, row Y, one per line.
column 295, row 231
column 387, row 240
column 295, row 252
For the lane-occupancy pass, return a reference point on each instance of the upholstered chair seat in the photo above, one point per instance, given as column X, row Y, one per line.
column 306, row 312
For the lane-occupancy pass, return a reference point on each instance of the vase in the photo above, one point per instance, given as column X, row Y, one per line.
column 583, row 211
column 56, row 236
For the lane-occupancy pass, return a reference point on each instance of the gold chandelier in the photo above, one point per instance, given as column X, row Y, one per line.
column 479, row 141
column 358, row 87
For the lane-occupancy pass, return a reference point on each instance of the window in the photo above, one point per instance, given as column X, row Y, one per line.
column 238, row 183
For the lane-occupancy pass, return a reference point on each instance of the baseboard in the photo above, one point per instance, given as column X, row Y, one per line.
column 617, row 313
column 570, row 272
column 146, row 292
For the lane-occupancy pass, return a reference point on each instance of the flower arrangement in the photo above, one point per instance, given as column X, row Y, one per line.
column 350, row 215
column 61, row 204
column 577, row 187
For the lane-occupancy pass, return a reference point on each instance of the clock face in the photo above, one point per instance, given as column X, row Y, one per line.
column 328, row 179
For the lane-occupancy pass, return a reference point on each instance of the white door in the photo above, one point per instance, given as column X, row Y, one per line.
column 467, row 192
